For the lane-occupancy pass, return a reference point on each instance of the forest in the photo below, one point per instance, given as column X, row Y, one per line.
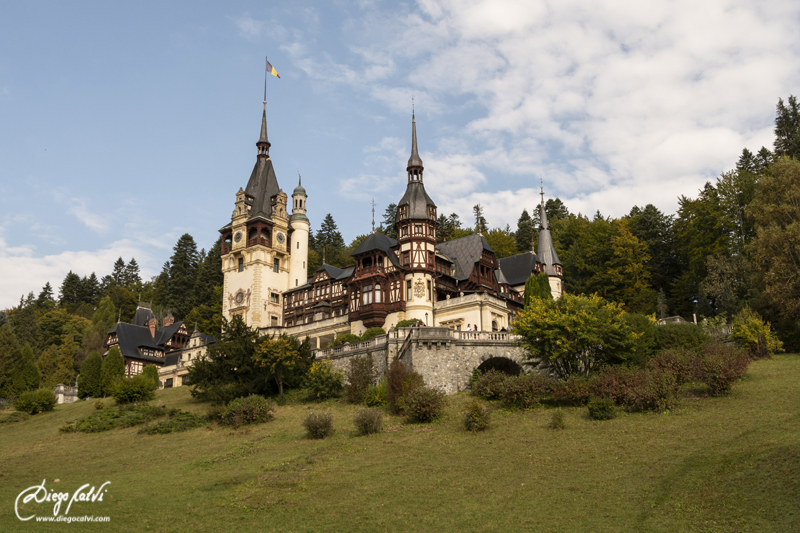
column 735, row 245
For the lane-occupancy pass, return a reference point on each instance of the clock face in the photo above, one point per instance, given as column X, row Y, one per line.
column 239, row 298
column 281, row 237
column 238, row 236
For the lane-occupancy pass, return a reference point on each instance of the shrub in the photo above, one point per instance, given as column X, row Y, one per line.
column 424, row 404
column 679, row 362
column 360, row 375
column 214, row 413
column 375, row 395
column 319, row 425
column 474, row 377
column 15, row 416
column 750, row 332
column 636, row 390
column 371, row 333
column 645, row 328
column 36, row 401
column 720, row 366
column 602, row 409
column 324, row 381
column 557, row 420
column 177, row 420
column 526, row 390
column 134, row 390
column 99, row 404
column 253, row 409
column 151, row 372
column 400, row 381
column 681, row 336
column 346, row 338
column 490, row 385
column 573, row 391
column 408, row 323
column 115, row 417
column 368, row 421
column 476, row 417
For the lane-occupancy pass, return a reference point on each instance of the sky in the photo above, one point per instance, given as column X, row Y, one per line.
column 125, row 125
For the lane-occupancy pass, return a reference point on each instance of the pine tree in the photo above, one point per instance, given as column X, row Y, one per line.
column 787, row 129
column 330, row 243
column 25, row 322
column 387, row 226
column 48, row 365
column 90, row 383
column 65, row 371
column 132, row 275
column 151, row 372
column 91, row 290
column 182, row 275
column 10, row 360
column 118, row 274
column 113, row 369
column 524, row 234
column 71, row 292
column 45, row 301
column 27, row 376
column 161, row 286
column 209, row 276
column 480, row 222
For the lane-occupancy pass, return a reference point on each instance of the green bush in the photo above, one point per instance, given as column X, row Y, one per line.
column 526, row 390
column 682, row 336
column 345, row 338
column 636, row 389
column 557, row 419
column 371, row 333
column 602, row 409
column 645, row 345
column 214, row 413
column 324, row 381
column 573, row 391
column 400, row 381
column 36, row 401
column 15, row 416
column 475, row 417
column 319, row 425
column 474, row 377
column 133, row 390
column 177, row 420
column 720, row 366
column 375, row 396
column 753, row 334
column 424, row 404
column 368, row 421
column 99, row 404
column 253, row 409
column 115, row 417
column 360, row 375
column 408, row 323
column 490, row 385
column 151, row 372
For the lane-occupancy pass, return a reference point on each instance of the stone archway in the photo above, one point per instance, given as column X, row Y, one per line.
column 501, row 364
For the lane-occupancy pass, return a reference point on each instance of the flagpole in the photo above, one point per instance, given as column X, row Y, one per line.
column 266, row 62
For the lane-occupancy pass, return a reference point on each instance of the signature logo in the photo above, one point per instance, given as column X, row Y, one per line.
column 40, row 494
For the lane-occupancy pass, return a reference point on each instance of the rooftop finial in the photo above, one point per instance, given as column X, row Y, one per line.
column 299, row 179
column 414, row 162
column 266, row 72
column 373, row 215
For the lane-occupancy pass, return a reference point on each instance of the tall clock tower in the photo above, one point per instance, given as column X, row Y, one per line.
column 256, row 253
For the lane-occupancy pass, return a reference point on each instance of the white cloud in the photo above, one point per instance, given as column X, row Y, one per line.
column 249, row 28
column 93, row 221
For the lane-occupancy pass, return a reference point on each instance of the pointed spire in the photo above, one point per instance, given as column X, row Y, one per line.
column 263, row 143
column 543, row 222
column 414, row 162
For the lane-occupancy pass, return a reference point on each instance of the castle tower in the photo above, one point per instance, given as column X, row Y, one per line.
column 547, row 254
column 298, row 264
column 416, row 238
column 255, row 252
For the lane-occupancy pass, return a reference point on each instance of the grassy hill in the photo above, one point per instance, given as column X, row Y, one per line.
column 712, row 464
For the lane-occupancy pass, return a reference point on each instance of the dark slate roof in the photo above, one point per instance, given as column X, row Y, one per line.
column 165, row 334
column 464, row 252
column 346, row 273
column 498, row 275
column 375, row 241
column 547, row 252
column 518, row 268
column 414, row 161
column 417, row 200
column 143, row 316
column 172, row 359
column 261, row 187
column 131, row 337
column 332, row 271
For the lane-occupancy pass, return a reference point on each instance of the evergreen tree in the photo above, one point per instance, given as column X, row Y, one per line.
column 91, row 290
column 555, row 209
column 161, row 286
column 71, row 292
column 3, row 318
column 65, row 370
column 654, row 229
column 118, row 273
column 132, row 276
column 387, row 226
column 209, row 277
column 46, row 301
column 48, row 366
column 151, row 372
column 480, row 222
column 502, row 242
column 330, row 243
column 537, row 288
column 90, row 383
column 27, row 376
column 747, row 162
column 25, row 322
column 524, row 234
column 787, row 129
column 448, row 227
column 10, row 360
column 182, row 274
column 113, row 369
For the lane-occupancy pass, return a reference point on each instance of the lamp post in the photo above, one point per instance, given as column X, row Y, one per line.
column 426, row 319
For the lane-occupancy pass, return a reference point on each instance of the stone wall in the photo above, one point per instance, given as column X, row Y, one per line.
column 66, row 394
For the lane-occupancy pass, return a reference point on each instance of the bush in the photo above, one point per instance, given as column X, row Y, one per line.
column 151, row 372
column 133, row 390
column 346, row 338
column 15, row 416
column 681, row 336
column 375, row 395
column 750, row 332
column 214, row 413
column 177, row 420
column 400, row 381
column 368, row 421
column 645, row 345
column 36, row 401
column 636, row 390
column 408, row 323
column 475, row 417
column 424, row 404
column 679, row 362
column 99, row 404
column 526, row 390
column 720, row 366
column 490, row 385
column 371, row 333
column 557, row 420
column 324, row 381
column 115, row 417
column 360, row 375
column 602, row 409
column 573, row 391
column 319, row 425
column 253, row 409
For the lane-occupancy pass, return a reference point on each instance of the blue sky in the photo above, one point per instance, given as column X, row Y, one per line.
column 123, row 126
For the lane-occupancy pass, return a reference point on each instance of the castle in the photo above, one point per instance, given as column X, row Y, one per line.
column 450, row 284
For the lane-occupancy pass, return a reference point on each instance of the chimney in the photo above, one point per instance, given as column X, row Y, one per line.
column 152, row 325
column 169, row 320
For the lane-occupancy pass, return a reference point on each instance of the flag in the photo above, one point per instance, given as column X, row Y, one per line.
column 272, row 70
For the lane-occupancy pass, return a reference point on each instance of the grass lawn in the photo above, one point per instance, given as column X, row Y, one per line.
column 712, row 464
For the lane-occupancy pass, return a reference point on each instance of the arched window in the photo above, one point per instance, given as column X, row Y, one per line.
column 377, row 293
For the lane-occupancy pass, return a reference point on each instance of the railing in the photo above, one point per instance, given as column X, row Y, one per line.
column 487, row 336
column 370, row 270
